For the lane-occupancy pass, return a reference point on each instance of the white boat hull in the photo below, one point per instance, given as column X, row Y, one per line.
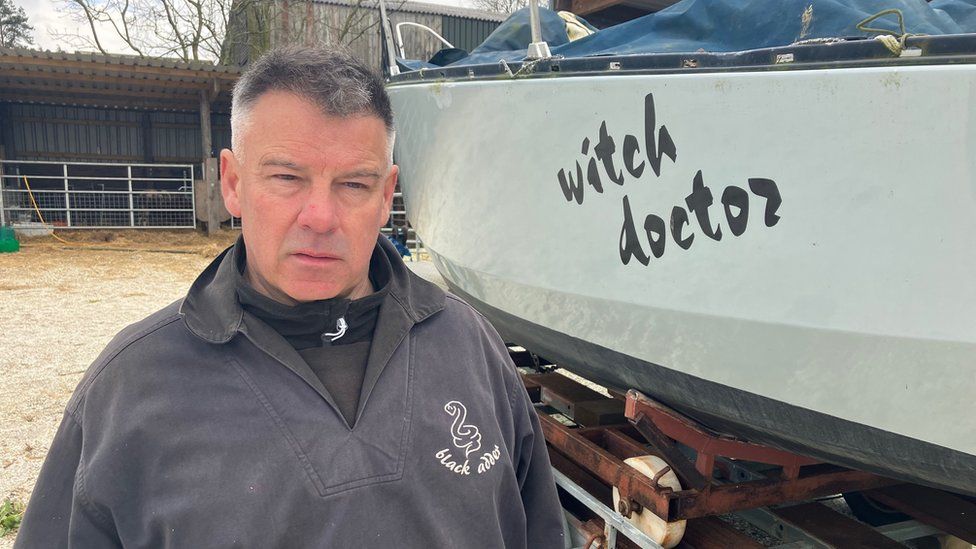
column 843, row 293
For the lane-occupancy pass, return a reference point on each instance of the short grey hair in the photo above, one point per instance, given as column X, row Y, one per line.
column 333, row 80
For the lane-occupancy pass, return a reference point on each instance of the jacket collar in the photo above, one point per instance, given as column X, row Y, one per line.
column 212, row 312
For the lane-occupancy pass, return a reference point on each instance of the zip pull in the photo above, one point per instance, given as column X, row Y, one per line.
column 340, row 329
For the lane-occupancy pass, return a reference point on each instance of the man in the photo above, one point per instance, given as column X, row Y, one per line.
column 309, row 391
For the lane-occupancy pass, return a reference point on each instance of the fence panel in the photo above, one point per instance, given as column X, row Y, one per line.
column 85, row 195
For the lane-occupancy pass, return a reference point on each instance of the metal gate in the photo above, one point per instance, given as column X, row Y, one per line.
column 89, row 195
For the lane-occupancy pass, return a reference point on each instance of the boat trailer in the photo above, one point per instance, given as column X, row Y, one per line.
column 778, row 493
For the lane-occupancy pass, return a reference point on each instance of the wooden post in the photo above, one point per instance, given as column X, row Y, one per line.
column 215, row 201
column 147, row 138
column 4, row 122
column 3, row 218
column 209, row 175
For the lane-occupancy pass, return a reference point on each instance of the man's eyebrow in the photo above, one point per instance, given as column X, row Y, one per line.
column 361, row 174
column 280, row 162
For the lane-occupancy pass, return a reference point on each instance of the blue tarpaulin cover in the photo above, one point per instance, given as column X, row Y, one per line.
column 724, row 26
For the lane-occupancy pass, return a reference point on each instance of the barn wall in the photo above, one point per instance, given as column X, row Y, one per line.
column 86, row 134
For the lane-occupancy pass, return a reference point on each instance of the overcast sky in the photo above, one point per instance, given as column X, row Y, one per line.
column 45, row 16
column 49, row 15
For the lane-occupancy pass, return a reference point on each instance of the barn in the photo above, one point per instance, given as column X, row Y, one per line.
column 117, row 141
column 110, row 141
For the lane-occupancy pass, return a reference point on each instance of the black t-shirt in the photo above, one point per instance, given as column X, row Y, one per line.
column 332, row 335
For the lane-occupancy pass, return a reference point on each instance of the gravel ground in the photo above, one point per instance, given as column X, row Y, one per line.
column 59, row 306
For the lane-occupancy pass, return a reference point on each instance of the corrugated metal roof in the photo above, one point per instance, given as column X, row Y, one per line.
column 10, row 55
column 438, row 9
column 425, row 8
column 61, row 78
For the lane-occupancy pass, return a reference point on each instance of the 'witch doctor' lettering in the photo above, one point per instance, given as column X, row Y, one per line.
column 735, row 200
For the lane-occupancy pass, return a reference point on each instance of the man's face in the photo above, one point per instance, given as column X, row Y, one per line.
column 312, row 192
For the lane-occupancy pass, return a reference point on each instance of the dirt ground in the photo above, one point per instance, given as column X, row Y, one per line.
column 59, row 306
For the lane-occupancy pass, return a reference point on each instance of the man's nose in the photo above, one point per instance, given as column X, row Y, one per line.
column 319, row 213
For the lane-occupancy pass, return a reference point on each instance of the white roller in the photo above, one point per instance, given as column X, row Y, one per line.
column 667, row 534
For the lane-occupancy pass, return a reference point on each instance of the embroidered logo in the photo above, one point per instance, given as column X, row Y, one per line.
column 466, row 439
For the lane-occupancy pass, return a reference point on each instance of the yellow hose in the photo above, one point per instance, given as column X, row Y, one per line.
column 41, row 217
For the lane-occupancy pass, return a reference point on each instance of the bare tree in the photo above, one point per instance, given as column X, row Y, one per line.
column 190, row 30
column 14, row 30
column 216, row 30
column 340, row 24
column 362, row 16
column 352, row 24
column 500, row 6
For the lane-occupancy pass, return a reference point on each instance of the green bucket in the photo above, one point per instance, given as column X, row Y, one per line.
column 8, row 240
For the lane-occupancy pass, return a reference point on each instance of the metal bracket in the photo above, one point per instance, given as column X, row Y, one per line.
column 614, row 521
column 538, row 50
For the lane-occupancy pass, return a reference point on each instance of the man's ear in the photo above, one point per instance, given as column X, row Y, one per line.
column 230, row 181
column 388, row 187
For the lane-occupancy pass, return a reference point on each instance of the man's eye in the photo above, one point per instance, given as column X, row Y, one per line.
column 285, row 177
column 355, row 185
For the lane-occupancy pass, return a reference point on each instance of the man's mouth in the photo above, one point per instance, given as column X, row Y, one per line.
column 311, row 256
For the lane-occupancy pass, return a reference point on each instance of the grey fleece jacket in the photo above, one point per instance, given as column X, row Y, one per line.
column 201, row 427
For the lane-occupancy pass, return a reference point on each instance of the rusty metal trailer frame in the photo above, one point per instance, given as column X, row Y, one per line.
column 601, row 450
column 590, row 435
column 613, row 522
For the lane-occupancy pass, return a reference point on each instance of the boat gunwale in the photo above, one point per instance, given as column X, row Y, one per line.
column 954, row 49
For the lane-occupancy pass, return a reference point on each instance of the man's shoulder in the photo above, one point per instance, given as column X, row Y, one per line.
column 461, row 327
column 457, row 311
column 147, row 326
column 459, row 304
column 136, row 345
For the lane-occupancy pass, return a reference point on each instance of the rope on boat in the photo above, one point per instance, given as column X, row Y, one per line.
column 528, row 67
column 895, row 44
